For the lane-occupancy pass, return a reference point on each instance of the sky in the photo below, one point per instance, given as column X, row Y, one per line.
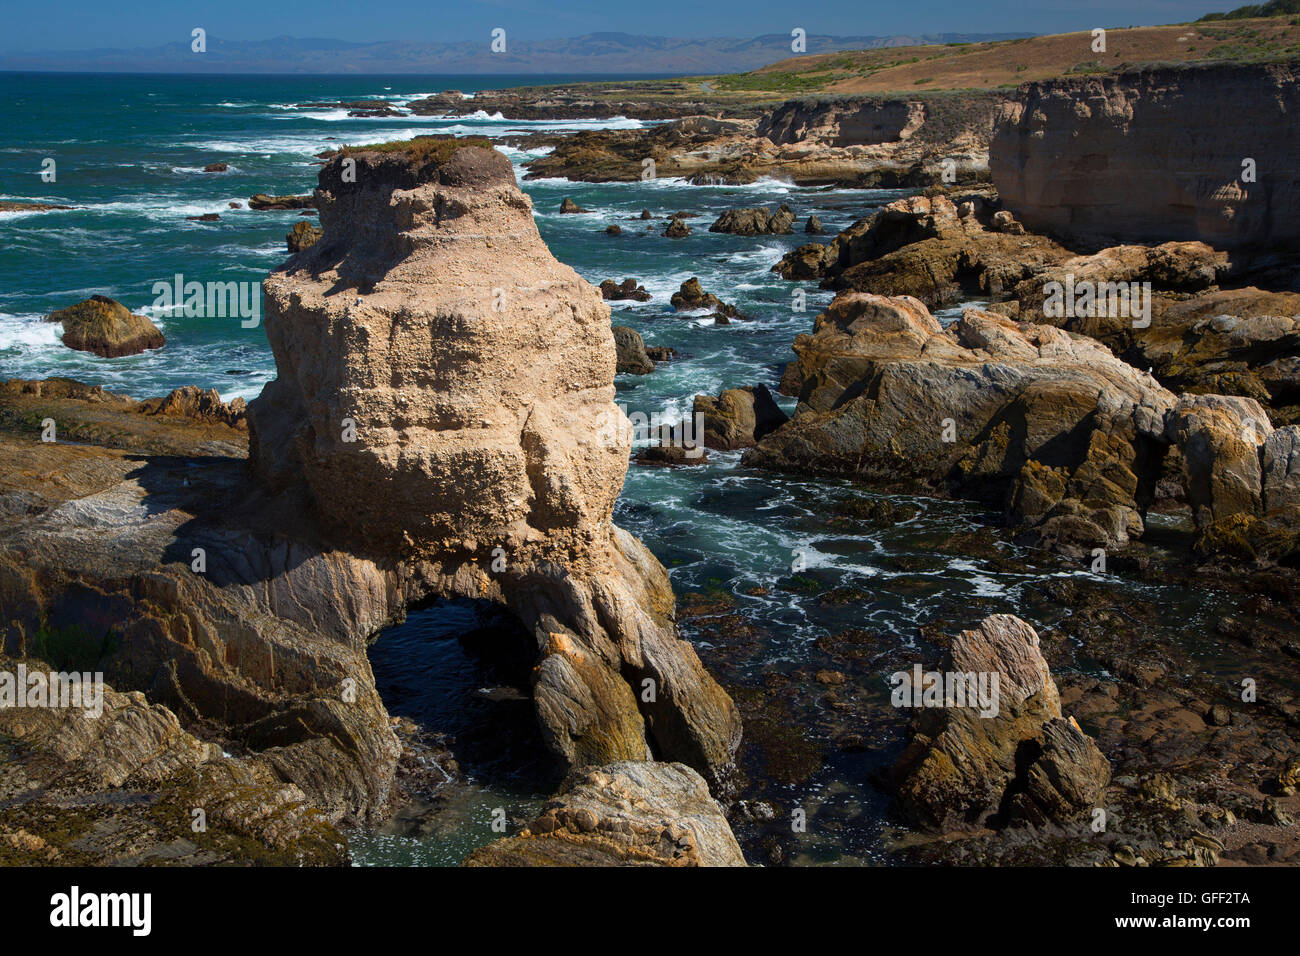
column 128, row 24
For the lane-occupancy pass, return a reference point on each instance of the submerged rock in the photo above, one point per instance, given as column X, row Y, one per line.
column 623, row 814
column 107, row 328
column 569, row 206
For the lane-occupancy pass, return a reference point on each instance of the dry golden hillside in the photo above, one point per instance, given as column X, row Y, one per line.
column 1010, row 62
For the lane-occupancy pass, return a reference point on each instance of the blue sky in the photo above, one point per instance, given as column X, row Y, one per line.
column 86, row 24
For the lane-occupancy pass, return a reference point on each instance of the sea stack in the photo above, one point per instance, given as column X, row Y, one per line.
column 445, row 397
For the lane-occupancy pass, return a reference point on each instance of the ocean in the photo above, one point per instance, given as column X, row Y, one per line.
column 776, row 575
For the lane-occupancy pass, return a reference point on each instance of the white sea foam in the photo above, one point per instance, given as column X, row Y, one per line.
column 165, row 208
column 28, row 332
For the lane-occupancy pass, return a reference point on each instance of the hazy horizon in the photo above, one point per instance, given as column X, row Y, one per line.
column 69, row 26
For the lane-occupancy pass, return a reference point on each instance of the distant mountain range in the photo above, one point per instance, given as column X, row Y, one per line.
column 595, row 53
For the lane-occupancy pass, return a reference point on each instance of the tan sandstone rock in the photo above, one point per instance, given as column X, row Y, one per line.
column 106, row 327
column 1154, row 154
column 445, row 391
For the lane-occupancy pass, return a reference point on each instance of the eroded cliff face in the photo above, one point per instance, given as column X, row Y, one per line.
column 917, row 135
column 843, row 123
column 445, row 394
column 1155, row 155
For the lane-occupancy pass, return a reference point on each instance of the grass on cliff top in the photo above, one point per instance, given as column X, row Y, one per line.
column 422, row 149
column 967, row 67
column 1008, row 63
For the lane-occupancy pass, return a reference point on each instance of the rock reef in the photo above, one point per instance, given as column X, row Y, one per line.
column 1069, row 440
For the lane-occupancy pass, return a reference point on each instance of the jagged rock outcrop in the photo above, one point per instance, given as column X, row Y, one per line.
column 1050, row 426
column 632, row 357
column 677, row 228
column 623, row 814
column 627, row 289
column 302, row 235
column 966, row 767
column 124, row 788
column 433, row 354
column 1155, row 154
column 107, row 328
column 923, row 246
column 738, row 417
column 756, row 221
column 1067, row 439
column 1229, row 341
column 1240, row 476
column 136, row 547
column 691, row 297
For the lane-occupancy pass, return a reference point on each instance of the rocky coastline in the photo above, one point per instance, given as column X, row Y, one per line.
column 443, row 426
column 224, row 564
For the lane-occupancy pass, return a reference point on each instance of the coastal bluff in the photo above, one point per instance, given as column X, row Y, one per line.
column 1154, row 155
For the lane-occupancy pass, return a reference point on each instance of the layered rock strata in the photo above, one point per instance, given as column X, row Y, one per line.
column 970, row 767
column 1156, row 154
